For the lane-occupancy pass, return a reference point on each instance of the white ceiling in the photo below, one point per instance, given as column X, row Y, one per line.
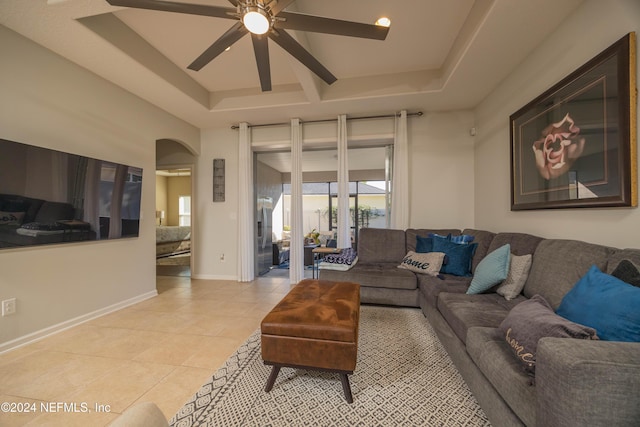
column 439, row 55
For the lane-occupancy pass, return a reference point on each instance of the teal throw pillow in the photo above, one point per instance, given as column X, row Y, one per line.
column 604, row 303
column 459, row 256
column 492, row 270
column 424, row 244
column 463, row 238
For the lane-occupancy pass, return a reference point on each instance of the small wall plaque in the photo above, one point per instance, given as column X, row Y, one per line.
column 218, row 180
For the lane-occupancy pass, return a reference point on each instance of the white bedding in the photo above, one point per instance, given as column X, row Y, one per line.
column 172, row 233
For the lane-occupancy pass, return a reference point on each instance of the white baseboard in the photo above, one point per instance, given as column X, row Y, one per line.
column 51, row 330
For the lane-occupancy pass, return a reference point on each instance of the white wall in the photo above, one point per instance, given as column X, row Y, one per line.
column 441, row 170
column 48, row 101
column 217, row 223
column 592, row 28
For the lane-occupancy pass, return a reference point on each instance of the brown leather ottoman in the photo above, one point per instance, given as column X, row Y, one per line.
column 314, row 327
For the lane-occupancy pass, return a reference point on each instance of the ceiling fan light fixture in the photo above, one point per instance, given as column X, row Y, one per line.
column 256, row 20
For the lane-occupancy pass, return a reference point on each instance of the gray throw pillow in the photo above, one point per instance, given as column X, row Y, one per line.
column 533, row 319
column 518, row 273
column 627, row 272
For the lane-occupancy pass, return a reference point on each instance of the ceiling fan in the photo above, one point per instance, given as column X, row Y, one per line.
column 264, row 19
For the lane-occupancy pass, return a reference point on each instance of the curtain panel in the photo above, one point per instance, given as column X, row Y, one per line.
column 344, row 229
column 246, row 267
column 400, row 181
column 296, row 249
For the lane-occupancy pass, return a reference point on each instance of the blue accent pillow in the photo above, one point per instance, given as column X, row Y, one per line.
column 492, row 270
column 448, row 236
column 459, row 257
column 424, row 244
column 604, row 303
column 463, row 238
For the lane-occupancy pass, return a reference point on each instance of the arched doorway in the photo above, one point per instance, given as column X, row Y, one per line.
column 175, row 221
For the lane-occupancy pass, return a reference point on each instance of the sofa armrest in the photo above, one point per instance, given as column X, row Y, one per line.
column 582, row 382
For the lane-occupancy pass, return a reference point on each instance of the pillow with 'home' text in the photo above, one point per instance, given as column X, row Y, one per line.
column 533, row 319
column 423, row 263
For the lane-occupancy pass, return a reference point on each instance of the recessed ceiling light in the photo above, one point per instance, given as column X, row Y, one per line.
column 383, row 22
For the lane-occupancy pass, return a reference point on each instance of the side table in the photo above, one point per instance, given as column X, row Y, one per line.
column 72, row 225
column 318, row 254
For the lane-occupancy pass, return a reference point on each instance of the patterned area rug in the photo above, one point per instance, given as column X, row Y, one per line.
column 403, row 377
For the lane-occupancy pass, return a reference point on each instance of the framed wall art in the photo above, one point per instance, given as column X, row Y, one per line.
column 575, row 145
column 218, row 180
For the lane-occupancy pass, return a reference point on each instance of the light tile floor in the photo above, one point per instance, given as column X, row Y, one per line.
column 160, row 350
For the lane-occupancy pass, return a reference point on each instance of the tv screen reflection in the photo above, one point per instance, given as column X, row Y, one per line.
column 48, row 196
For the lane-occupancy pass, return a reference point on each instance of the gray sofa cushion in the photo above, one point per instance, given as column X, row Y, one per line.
column 559, row 264
column 50, row 212
column 432, row 286
column 587, row 383
column 463, row 311
column 492, row 355
column 375, row 275
column 377, row 245
column 521, row 243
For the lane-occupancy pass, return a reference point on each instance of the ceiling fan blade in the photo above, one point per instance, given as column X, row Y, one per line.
column 279, row 6
column 234, row 2
column 232, row 35
column 319, row 24
column 168, row 6
column 289, row 44
column 261, row 50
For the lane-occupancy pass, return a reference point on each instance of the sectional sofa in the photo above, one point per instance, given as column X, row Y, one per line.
column 576, row 382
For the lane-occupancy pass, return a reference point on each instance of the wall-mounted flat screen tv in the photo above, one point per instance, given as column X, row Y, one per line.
column 48, row 196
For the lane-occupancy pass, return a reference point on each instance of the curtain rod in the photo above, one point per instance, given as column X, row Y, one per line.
column 384, row 116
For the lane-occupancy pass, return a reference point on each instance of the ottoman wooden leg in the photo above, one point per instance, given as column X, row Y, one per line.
column 272, row 378
column 346, row 387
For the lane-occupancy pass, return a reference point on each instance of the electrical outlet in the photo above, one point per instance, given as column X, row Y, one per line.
column 8, row 306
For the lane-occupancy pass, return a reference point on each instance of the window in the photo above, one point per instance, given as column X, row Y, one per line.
column 184, row 210
column 367, row 205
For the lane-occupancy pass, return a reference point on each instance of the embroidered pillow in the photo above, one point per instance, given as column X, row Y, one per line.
column 423, row 263
column 533, row 319
column 518, row 273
